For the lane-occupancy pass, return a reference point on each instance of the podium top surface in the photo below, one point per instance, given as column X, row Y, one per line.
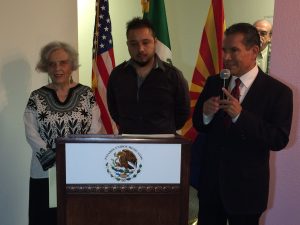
column 136, row 138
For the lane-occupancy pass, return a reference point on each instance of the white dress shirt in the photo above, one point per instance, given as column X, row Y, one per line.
column 262, row 59
column 246, row 81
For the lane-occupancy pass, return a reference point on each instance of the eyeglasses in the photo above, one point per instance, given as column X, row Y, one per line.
column 263, row 33
column 59, row 63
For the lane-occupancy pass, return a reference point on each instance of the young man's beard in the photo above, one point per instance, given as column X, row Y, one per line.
column 141, row 64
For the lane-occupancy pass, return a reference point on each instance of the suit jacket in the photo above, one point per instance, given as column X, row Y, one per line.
column 236, row 159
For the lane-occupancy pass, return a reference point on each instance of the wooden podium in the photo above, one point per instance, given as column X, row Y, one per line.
column 117, row 180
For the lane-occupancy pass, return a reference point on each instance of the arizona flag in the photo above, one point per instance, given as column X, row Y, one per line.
column 154, row 11
column 209, row 61
column 103, row 62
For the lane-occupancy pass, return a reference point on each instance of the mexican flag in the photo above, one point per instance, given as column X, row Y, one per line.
column 154, row 10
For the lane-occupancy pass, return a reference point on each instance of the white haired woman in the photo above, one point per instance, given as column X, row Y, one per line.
column 55, row 110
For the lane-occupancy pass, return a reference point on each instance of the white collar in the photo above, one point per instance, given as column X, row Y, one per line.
column 264, row 52
column 248, row 78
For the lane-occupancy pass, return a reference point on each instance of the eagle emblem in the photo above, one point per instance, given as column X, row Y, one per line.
column 123, row 163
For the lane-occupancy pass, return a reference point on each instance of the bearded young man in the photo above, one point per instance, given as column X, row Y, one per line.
column 146, row 95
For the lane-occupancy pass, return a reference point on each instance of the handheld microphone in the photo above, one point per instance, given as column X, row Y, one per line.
column 224, row 74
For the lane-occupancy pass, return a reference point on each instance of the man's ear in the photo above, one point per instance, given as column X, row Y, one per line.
column 255, row 50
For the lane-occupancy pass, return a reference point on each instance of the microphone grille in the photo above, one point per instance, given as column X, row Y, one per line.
column 225, row 73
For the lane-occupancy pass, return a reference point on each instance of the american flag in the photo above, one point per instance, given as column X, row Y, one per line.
column 103, row 62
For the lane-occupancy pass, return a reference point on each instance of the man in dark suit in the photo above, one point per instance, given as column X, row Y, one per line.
column 239, row 133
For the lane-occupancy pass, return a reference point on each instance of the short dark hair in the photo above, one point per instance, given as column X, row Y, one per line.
column 251, row 36
column 137, row 23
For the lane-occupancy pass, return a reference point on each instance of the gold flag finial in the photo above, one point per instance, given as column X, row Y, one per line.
column 145, row 5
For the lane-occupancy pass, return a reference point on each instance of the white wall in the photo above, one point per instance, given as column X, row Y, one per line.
column 120, row 13
column 25, row 27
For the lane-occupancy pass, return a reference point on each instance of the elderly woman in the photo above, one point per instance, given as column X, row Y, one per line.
column 60, row 108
